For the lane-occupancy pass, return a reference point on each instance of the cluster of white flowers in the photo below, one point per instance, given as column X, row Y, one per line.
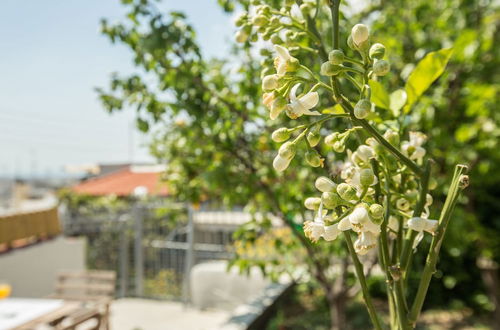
column 356, row 194
column 277, row 100
column 354, row 197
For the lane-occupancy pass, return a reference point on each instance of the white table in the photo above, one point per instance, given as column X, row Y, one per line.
column 15, row 312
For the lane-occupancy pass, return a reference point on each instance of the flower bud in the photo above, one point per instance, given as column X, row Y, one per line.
column 329, row 69
column 270, row 82
column 313, row 137
column 260, row 20
column 377, row 51
column 281, row 163
column 392, row 137
column 281, row 134
column 292, row 65
column 381, row 67
column 313, row 158
column 241, row 36
column 366, row 177
column 339, row 146
column 312, row 203
column 277, row 106
column 331, row 200
column 350, row 43
column 377, row 211
column 336, row 57
column 359, row 33
column 240, row 20
column 432, row 184
column 287, row 150
column 306, row 8
column 362, row 108
column 346, row 192
column 331, row 139
column 324, row 184
column 276, row 39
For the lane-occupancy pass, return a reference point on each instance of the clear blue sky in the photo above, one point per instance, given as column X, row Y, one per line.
column 51, row 58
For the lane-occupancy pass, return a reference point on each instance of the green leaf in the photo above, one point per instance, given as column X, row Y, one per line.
column 397, row 100
column 335, row 110
column 378, row 95
column 426, row 72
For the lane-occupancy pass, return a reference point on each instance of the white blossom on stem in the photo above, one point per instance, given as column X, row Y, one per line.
column 302, row 105
column 413, row 148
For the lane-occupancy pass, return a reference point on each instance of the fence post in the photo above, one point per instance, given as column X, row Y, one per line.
column 189, row 257
column 123, row 257
column 138, row 215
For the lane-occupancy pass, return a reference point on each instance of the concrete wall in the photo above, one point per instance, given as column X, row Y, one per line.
column 31, row 271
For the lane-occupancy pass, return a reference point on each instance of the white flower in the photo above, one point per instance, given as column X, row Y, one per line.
column 316, row 228
column 413, row 148
column 344, row 224
column 360, row 221
column 331, row 232
column 296, row 13
column 268, row 99
column 422, row 224
column 280, row 62
column 302, row 105
column 365, row 242
column 418, row 239
column 281, row 163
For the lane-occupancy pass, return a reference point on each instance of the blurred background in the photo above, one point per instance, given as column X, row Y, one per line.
column 136, row 186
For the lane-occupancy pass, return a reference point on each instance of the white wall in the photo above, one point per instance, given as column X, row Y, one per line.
column 31, row 271
column 212, row 286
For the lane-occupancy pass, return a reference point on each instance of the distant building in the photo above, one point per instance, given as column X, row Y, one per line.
column 123, row 180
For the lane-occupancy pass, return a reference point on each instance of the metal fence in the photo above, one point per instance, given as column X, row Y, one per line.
column 153, row 248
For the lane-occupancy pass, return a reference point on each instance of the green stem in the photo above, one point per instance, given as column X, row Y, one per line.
column 353, row 81
column 411, row 234
column 334, row 8
column 353, row 61
column 457, row 184
column 377, row 136
column 362, row 280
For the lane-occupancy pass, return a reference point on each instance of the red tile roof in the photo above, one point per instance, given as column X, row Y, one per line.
column 122, row 183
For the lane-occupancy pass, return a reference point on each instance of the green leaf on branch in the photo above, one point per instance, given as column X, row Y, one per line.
column 379, row 95
column 427, row 71
column 397, row 100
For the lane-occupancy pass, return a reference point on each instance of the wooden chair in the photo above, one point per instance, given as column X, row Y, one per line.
column 96, row 287
column 84, row 315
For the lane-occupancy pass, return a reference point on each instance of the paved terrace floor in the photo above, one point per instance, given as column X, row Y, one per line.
column 142, row 314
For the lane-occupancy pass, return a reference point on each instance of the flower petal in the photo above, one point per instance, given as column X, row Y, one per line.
column 293, row 93
column 282, row 52
column 310, row 100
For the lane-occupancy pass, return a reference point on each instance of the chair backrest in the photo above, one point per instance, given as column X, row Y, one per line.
column 87, row 285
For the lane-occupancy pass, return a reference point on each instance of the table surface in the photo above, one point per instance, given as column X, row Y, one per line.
column 23, row 313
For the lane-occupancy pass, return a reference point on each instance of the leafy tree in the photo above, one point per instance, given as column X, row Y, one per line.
column 211, row 130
